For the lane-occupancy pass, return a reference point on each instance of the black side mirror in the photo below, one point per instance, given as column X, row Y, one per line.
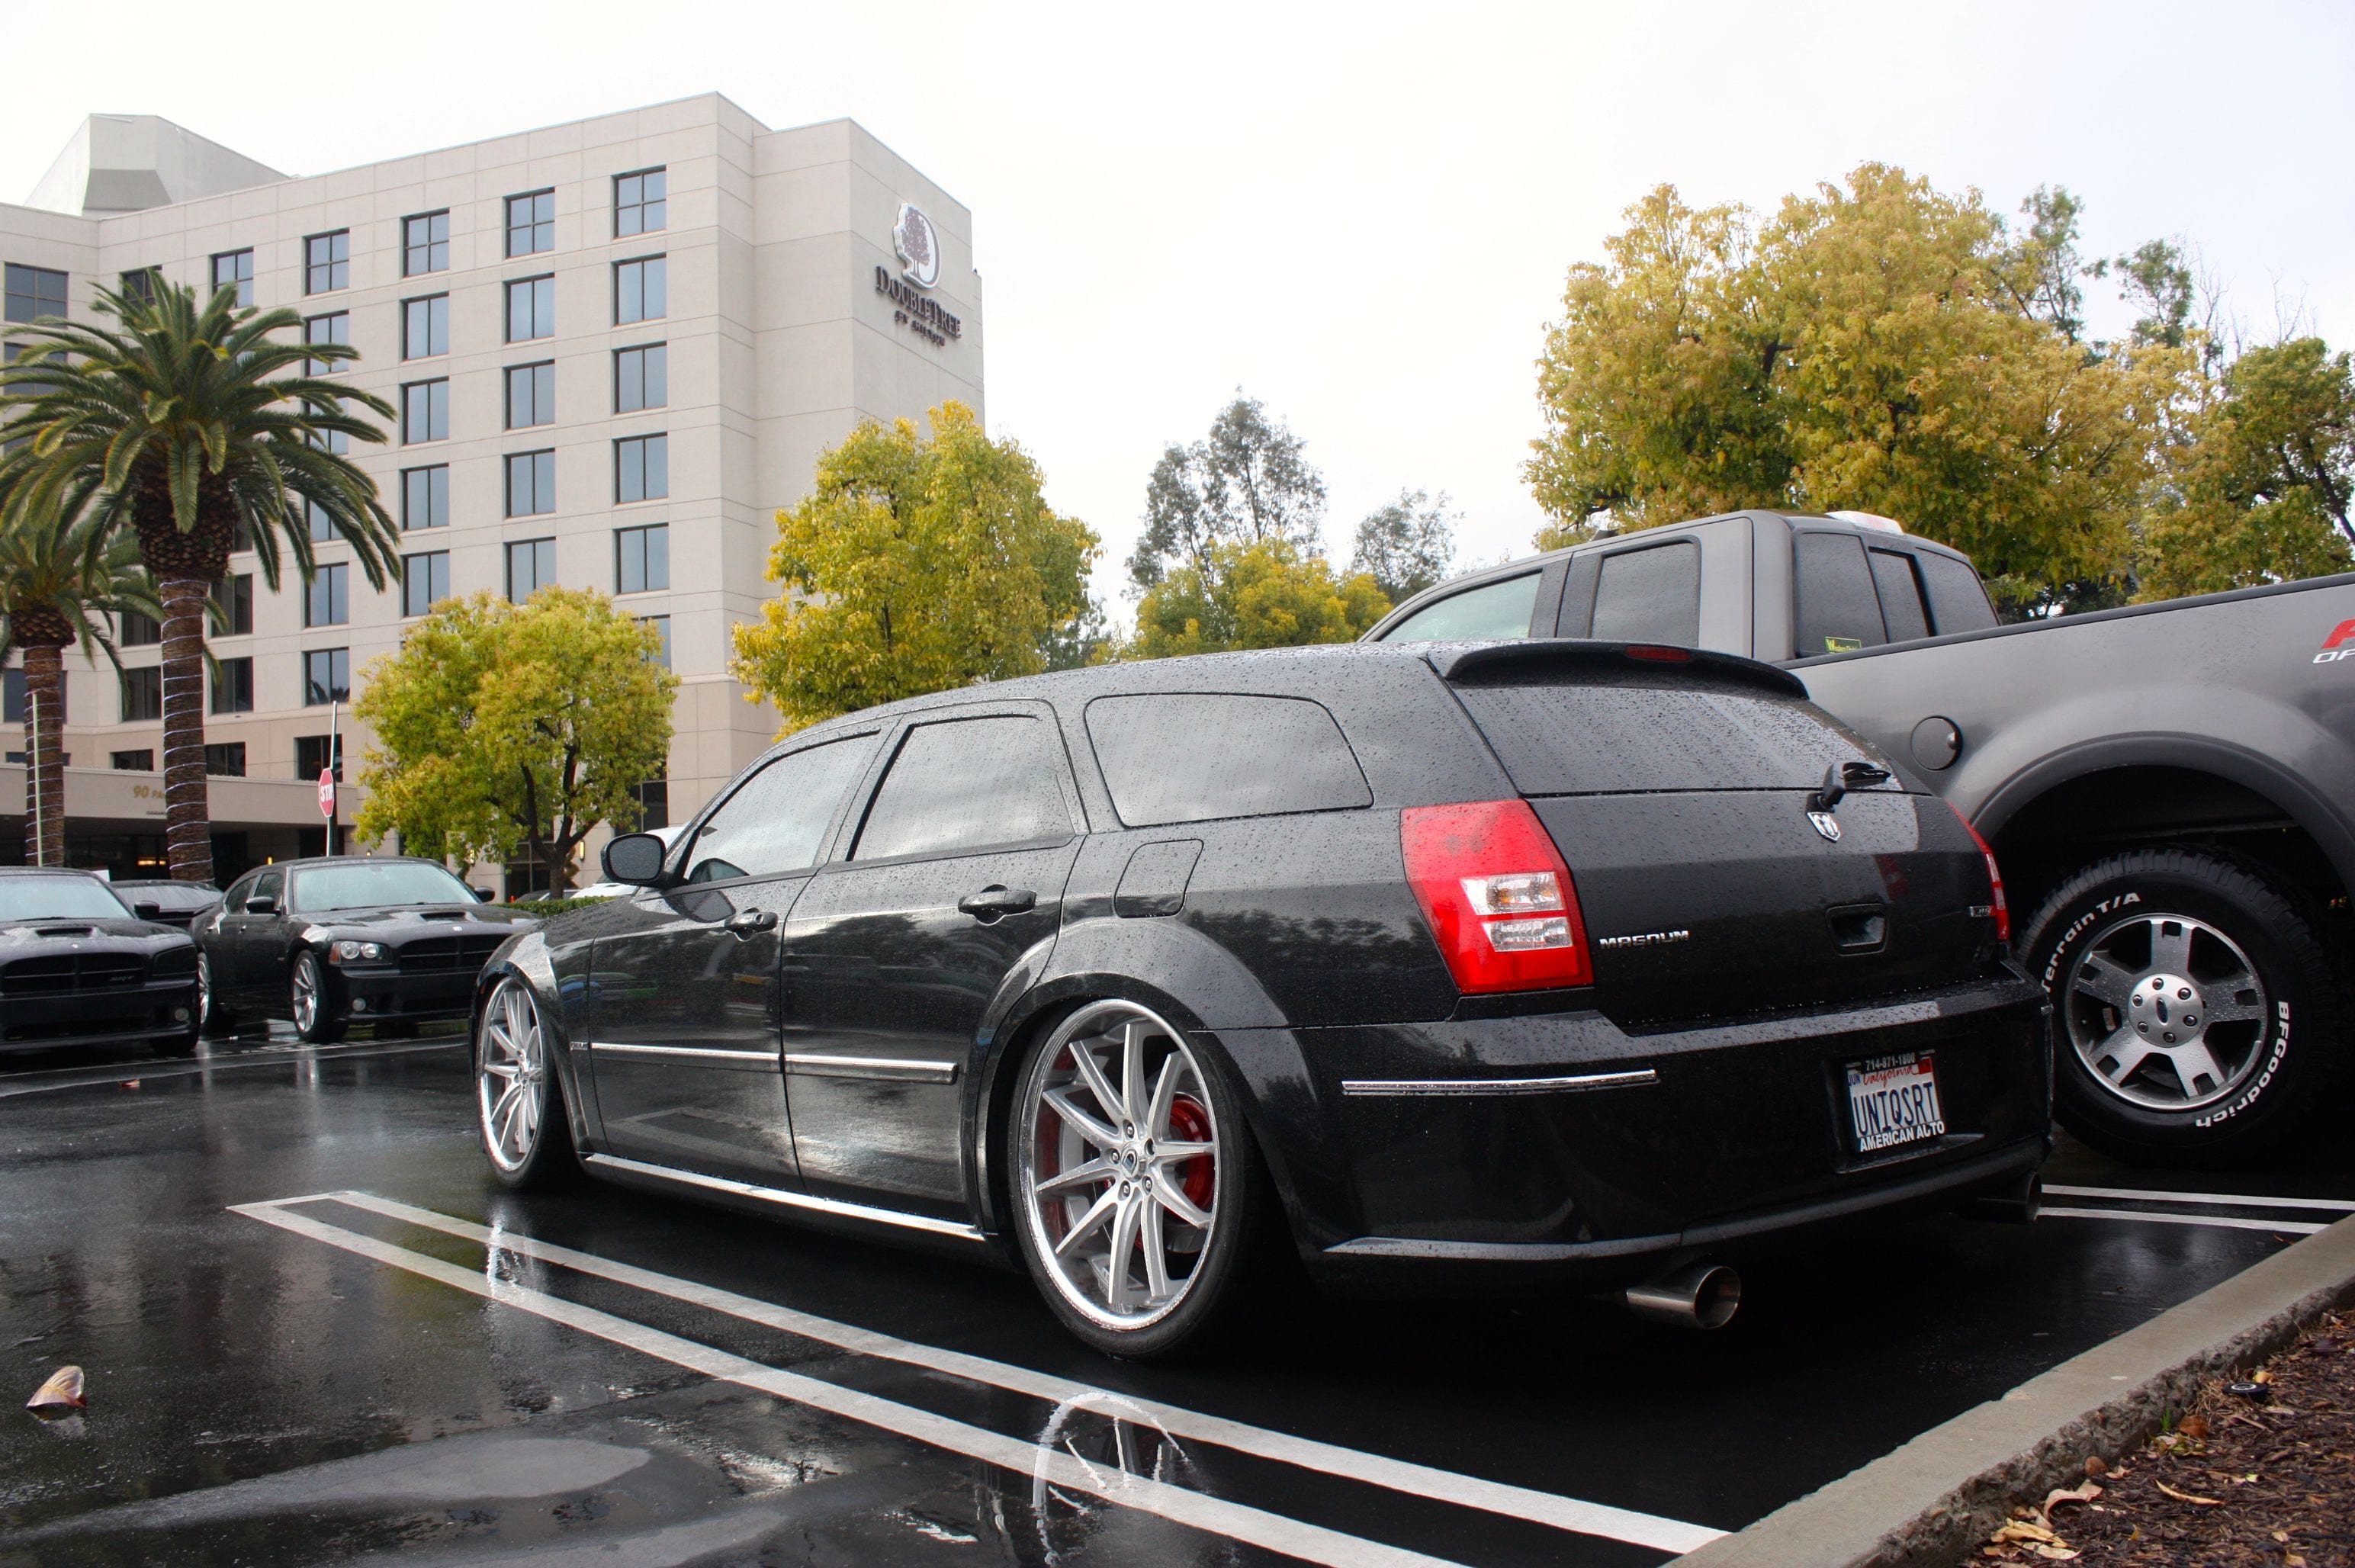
column 148, row 912
column 485, row 895
column 262, row 903
column 635, row 859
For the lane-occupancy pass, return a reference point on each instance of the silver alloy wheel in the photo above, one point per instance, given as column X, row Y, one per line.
column 204, row 990
column 1118, row 1157
column 304, row 994
column 511, row 1077
column 2166, row 1012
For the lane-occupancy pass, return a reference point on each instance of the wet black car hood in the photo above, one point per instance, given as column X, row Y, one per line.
column 399, row 923
column 24, row 938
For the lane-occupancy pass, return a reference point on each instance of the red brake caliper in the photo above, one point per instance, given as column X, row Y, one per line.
column 1191, row 1124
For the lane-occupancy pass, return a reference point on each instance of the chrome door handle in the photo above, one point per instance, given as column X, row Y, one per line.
column 994, row 901
column 752, row 921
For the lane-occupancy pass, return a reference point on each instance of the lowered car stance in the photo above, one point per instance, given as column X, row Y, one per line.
column 78, row 966
column 330, row 942
column 1447, row 968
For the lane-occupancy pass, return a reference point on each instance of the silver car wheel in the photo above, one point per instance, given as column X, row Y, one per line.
column 204, row 990
column 303, row 996
column 2166, row 1012
column 1118, row 1152
column 511, row 1080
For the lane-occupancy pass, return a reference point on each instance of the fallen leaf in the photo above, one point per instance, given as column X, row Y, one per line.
column 2093, row 1466
column 61, row 1391
column 2282, row 1536
column 2055, row 1554
column 2260, row 1376
column 2193, row 1427
column 2084, row 1492
column 2024, row 1530
column 2190, row 1497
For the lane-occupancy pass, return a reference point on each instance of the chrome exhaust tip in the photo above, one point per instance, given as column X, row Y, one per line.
column 1697, row 1295
column 2018, row 1207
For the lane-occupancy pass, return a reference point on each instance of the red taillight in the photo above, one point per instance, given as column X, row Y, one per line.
column 1498, row 895
column 1659, row 653
column 1995, row 876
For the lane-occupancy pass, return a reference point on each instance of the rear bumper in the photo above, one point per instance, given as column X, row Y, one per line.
column 144, row 1016
column 1560, row 1148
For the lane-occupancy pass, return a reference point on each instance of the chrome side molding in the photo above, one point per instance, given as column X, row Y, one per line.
column 1571, row 1084
column 758, row 1059
column 804, row 1201
column 816, row 1064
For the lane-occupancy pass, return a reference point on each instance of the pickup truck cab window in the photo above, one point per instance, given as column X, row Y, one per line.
column 1492, row 610
column 1650, row 595
column 1959, row 601
column 1835, row 609
column 1900, row 594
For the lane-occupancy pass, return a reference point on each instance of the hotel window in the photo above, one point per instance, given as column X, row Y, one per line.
column 661, row 623
column 234, row 595
column 425, row 497
column 139, row 631
column 531, row 483
column 531, row 395
column 326, row 676
column 234, row 269
column 332, row 327
column 327, row 602
column 641, row 378
column 639, row 202
column 226, row 759
column 641, row 290
column 134, row 761
column 140, row 284
column 310, row 755
column 424, row 244
column 425, row 326
column 531, row 566
column 641, row 468
column 531, row 309
column 32, row 292
column 425, row 581
column 532, row 223
column 316, row 520
column 424, row 412
column 654, row 803
column 327, row 262
column 233, row 686
column 143, row 694
column 641, row 558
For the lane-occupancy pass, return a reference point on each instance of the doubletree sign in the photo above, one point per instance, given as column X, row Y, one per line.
column 917, row 246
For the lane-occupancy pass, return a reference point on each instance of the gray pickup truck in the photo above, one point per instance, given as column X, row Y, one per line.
column 2168, row 789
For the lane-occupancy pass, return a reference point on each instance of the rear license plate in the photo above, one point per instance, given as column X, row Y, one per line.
column 1894, row 1100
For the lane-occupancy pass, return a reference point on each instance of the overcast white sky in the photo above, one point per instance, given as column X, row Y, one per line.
column 1360, row 214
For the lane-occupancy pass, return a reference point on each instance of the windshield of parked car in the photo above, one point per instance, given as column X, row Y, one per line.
column 58, row 898
column 363, row 884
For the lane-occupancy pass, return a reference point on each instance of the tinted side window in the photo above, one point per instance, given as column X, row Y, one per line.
column 1900, row 596
column 1492, row 610
column 966, row 783
column 1958, row 602
column 773, row 823
column 1650, row 596
column 1837, row 608
column 269, row 885
column 233, row 901
column 1190, row 758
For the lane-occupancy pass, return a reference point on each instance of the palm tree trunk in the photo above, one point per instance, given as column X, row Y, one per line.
column 188, row 812
column 45, row 769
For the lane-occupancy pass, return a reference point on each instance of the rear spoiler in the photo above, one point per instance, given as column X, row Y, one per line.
column 1573, row 660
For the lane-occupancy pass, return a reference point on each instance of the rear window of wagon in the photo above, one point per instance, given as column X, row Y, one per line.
column 1602, row 740
column 1194, row 757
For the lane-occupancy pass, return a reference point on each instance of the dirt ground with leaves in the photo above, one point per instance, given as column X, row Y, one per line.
column 2260, row 1469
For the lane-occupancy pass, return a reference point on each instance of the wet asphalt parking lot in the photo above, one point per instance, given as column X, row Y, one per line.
column 315, row 1330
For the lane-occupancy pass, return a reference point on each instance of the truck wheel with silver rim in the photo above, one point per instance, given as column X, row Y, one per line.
column 311, row 1000
column 2192, row 1000
column 1138, row 1197
column 519, row 1102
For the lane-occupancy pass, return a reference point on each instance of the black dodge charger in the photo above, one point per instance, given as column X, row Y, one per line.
column 330, row 942
column 1451, row 966
column 78, row 967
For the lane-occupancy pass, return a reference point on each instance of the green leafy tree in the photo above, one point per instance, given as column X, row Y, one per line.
column 61, row 577
column 502, row 726
column 183, row 424
column 916, row 564
column 1247, row 482
column 1406, row 545
column 1264, row 593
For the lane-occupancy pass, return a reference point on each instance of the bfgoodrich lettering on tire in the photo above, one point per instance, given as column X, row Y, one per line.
column 2195, row 1006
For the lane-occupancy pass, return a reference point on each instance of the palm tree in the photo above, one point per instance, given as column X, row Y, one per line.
column 58, row 578
column 180, row 426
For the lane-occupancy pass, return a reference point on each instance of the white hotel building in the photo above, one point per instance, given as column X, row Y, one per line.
column 617, row 346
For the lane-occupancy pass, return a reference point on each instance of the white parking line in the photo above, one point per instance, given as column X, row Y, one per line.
column 43, row 1079
column 1395, row 1475
column 2237, row 1199
column 1275, row 1532
column 2221, row 1221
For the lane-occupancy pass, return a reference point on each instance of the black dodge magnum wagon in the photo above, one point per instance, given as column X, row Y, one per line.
column 1453, row 966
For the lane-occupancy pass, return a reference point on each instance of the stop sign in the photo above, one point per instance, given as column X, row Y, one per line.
column 328, row 792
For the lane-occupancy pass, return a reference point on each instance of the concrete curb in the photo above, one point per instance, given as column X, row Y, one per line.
column 1938, row 1498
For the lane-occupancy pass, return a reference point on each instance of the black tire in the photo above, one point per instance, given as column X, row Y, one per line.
column 2104, row 945
column 1239, row 1263
column 213, row 1017
column 322, row 1022
column 550, row 1162
column 175, row 1045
